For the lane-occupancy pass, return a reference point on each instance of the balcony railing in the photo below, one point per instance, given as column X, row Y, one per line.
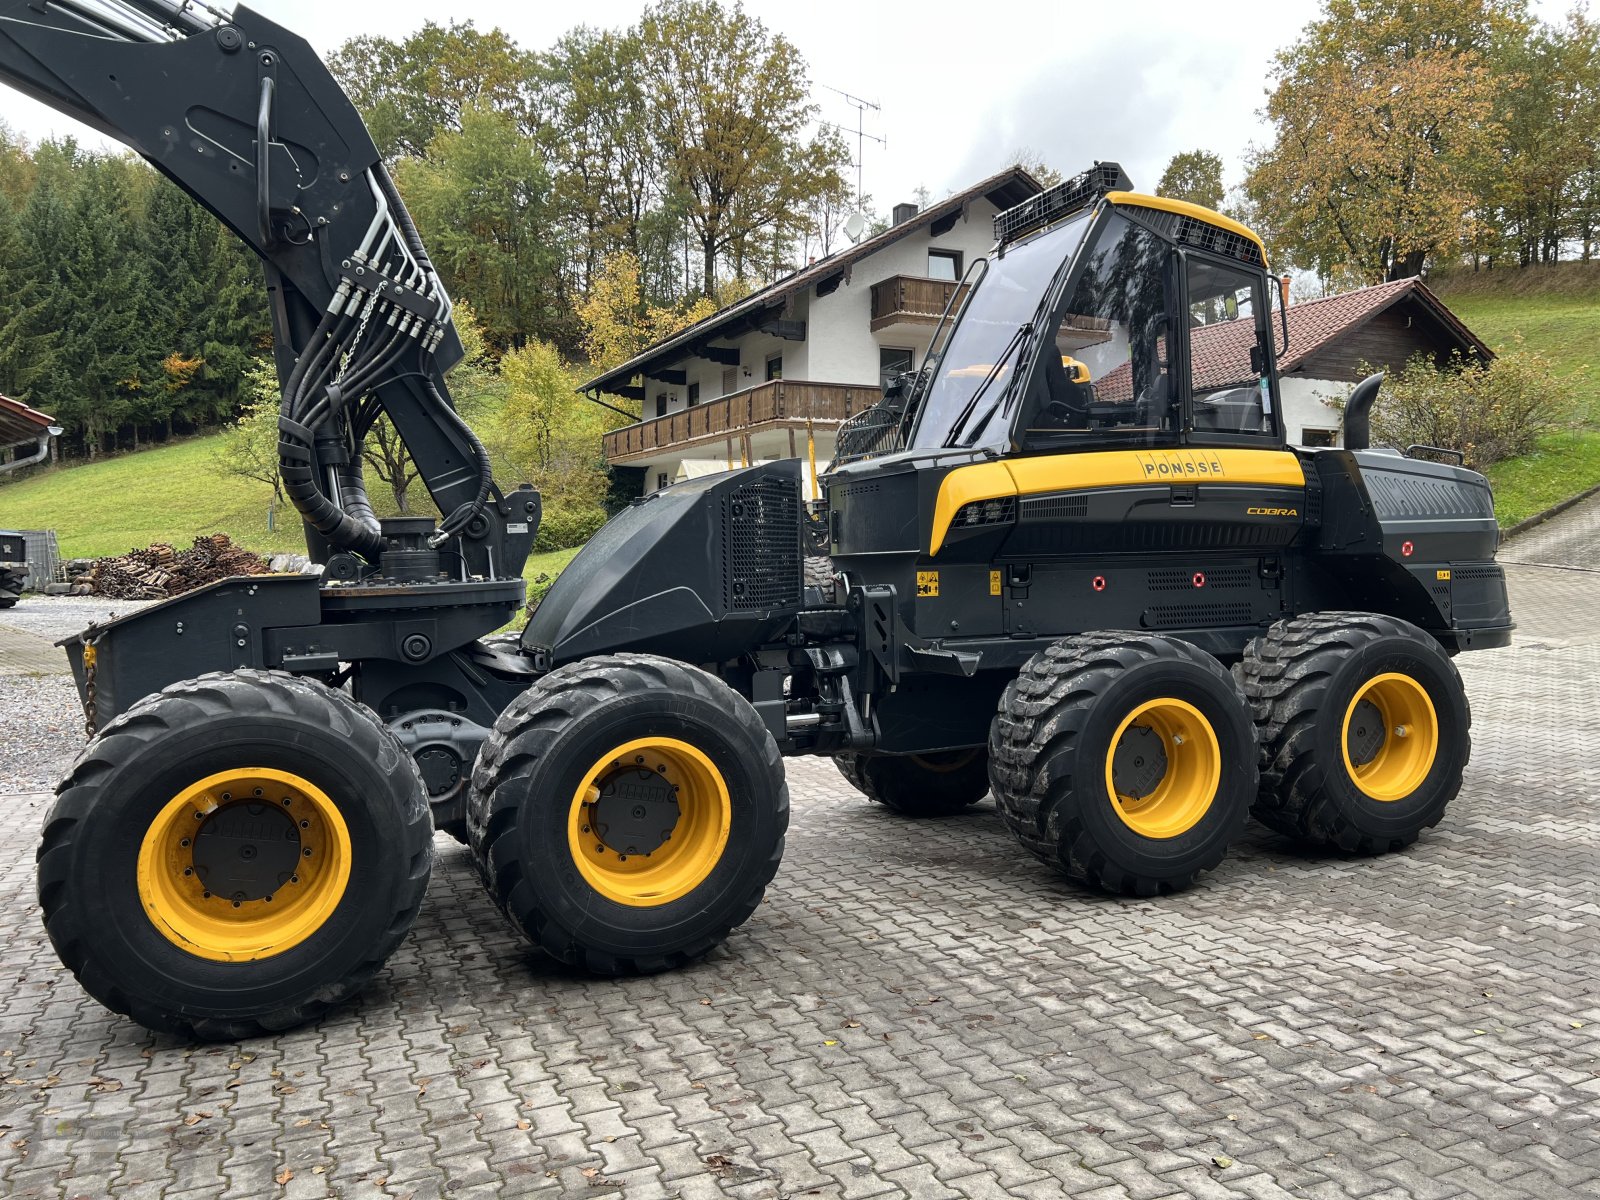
column 908, row 299
column 783, row 401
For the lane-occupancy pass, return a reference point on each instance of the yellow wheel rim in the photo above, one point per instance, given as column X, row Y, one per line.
column 244, row 865
column 1163, row 768
column 1390, row 737
column 649, row 822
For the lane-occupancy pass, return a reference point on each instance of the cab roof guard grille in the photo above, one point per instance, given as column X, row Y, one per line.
column 1219, row 241
column 1054, row 204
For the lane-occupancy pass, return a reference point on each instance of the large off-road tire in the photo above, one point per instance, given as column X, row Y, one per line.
column 628, row 812
column 919, row 785
column 235, row 855
column 10, row 586
column 1364, row 727
column 1125, row 760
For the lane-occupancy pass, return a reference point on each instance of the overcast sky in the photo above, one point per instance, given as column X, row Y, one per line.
column 962, row 85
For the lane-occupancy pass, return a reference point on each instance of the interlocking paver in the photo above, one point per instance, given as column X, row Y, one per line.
column 1420, row 1025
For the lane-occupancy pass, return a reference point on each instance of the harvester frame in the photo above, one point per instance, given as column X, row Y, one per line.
column 1106, row 591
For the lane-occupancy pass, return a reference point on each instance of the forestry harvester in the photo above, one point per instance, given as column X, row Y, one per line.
column 1070, row 561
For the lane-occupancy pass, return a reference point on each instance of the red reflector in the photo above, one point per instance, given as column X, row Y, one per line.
column 1406, row 549
column 1099, row 583
column 1199, row 579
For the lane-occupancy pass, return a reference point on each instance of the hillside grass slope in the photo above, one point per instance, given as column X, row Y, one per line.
column 1555, row 311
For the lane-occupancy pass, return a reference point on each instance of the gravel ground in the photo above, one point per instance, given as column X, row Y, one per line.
column 43, row 731
column 57, row 617
column 41, row 722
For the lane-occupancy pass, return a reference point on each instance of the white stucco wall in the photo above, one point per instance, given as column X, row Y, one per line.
column 1305, row 406
column 842, row 347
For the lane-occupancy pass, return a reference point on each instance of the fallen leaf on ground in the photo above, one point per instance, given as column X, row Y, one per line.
column 524, row 1124
column 718, row 1162
column 1222, row 1160
column 283, row 1177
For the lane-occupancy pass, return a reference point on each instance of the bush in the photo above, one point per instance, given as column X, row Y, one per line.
column 1488, row 413
column 564, row 526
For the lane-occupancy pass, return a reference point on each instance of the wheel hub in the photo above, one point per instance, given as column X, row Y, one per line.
column 246, row 852
column 244, row 864
column 1368, row 732
column 637, row 810
column 1139, row 763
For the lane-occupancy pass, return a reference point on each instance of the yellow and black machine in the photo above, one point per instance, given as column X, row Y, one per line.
column 1070, row 562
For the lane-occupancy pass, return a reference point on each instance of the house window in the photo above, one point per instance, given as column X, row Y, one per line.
column 694, row 394
column 730, row 380
column 1319, row 437
column 661, row 405
column 892, row 363
column 775, row 367
column 661, row 480
column 944, row 264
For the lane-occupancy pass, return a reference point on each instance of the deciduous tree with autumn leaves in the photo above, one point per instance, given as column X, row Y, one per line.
column 1413, row 131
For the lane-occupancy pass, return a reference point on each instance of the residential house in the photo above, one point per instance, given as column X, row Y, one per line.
column 774, row 375
column 1336, row 341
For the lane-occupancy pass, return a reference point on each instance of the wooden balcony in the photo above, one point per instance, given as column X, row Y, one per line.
column 910, row 300
column 727, row 422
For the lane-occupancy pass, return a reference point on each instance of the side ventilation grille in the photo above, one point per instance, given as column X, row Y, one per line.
column 1197, row 616
column 1055, row 508
column 1176, row 579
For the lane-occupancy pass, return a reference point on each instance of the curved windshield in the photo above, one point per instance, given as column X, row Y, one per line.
column 987, row 346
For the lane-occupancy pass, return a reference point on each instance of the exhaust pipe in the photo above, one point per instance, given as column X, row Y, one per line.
column 1358, row 413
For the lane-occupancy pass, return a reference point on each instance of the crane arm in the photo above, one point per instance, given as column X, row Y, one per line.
column 245, row 117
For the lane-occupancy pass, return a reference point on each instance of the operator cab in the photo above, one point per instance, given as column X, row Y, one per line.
column 1132, row 321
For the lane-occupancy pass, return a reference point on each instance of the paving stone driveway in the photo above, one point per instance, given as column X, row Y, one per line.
column 919, row 1010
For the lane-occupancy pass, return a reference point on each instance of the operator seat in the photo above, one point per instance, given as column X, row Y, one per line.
column 1069, row 393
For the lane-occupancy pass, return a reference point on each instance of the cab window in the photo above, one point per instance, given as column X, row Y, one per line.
column 1229, row 324
column 1108, row 377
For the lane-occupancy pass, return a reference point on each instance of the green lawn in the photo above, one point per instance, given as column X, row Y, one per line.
column 1565, row 465
column 1556, row 312
column 171, row 494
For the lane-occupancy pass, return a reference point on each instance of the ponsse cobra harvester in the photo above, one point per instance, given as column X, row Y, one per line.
column 1100, row 587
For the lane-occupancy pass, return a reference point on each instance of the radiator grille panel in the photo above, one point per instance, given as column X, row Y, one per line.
column 761, row 544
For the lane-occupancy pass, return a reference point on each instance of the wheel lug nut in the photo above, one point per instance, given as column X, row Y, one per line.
column 1402, row 731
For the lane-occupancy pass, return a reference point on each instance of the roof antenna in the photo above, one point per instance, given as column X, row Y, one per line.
column 862, row 136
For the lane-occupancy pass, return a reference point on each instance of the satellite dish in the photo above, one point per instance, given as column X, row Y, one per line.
column 855, row 228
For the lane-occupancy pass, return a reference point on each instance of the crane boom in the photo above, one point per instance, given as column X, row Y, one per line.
column 245, row 117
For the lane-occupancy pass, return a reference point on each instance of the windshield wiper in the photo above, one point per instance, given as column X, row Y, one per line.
column 1023, row 342
column 965, row 415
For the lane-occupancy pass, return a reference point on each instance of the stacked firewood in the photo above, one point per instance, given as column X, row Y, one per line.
column 160, row 572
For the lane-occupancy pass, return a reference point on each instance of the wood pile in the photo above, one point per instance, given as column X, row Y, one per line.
column 160, row 572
